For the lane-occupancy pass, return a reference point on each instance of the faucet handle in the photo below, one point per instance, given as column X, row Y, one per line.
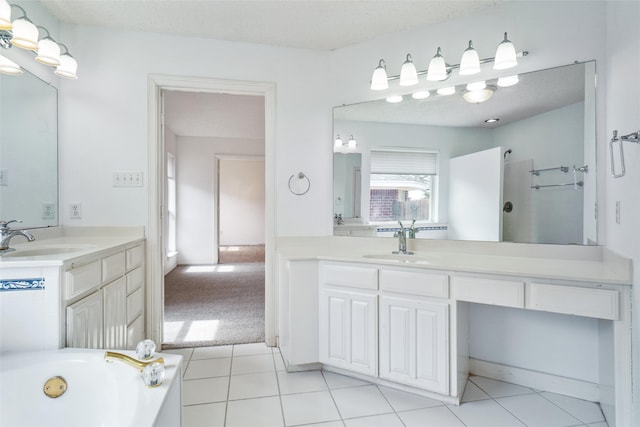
column 5, row 224
column 145, row 349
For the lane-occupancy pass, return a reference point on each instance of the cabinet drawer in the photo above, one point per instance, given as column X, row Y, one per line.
column 113, row 266
column 135, row 304
column 135, row 280
column 488, row 291
column 599, row 303
column 82, row 279
column 135, row 257
column 354, row 277
column 415, row 283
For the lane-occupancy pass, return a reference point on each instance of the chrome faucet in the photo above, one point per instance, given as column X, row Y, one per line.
column 6, row 234
column 402, row 239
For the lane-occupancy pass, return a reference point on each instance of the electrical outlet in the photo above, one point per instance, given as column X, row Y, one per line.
column 618, row 212
column 75, row 211
column 48, row 211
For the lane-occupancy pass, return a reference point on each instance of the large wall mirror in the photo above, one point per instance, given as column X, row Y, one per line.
column 28, row 151
column 517, row 167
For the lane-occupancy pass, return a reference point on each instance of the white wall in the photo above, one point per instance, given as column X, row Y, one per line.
column 196, row 188
column 242, row 201
column 623, row 113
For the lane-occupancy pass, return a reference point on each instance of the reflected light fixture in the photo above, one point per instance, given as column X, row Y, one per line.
column 470, row 62
column 352, row 142
column 379, row 79
column 478, row 96
column 506, row 56
column 477, row 85
column 394, row 99
column 423, row 94
column 337, row 143
column 492, row 120
column 508, row 81
column 445, row 91
column 408, row 73
column 24, row 34
column 437, row 70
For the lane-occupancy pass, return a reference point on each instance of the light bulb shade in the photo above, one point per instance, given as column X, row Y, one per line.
column 25, row 35
column 352, row 142
column 394, row 99
column 423, row 94
column 506, row 56
column 5, row 15
column 478, row 96
column 48, row 52
column 337, row 143
column 508, row 81
column 470, row 62
column 408, row 73
column 9, row 67
column 379, row 79
column 68, row 67
column 477, row 85
column 445, row 91
column 437, row 68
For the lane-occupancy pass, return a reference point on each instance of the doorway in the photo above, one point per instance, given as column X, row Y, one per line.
column 155, row 251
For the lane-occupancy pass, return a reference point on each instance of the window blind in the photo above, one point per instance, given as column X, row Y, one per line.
column 404, row 162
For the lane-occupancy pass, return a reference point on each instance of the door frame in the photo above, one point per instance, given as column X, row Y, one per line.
column 156, row 157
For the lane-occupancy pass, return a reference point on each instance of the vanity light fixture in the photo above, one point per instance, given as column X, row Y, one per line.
column 394, row 99
column 23, row 33
column 446, row 91
column 508, row 81
column 352, row 142
column 506, row 57
column 340, row 146
column 479, row 95
column 337, row 143
column 477, row 85
column 423, row 94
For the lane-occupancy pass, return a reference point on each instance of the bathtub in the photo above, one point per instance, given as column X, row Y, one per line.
column 97, row 394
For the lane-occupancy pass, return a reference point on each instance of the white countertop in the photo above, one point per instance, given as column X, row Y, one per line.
column 85, row 241
column 594, row 264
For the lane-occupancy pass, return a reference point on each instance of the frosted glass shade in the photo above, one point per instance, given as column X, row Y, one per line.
column 352, row 142
column 68, row 67
column 470, row 62
column 25, row 35
column 9, row 67
column 408, row 73
column 337, row 143
column 444, row 91
column 48, row 52
column 5, row 15
column 506, row 56
column 508, row 81
column 477, row 96
column 379, row 78
column 477, row 85
column 394, row 99
column 437, row 68
column 423, row 94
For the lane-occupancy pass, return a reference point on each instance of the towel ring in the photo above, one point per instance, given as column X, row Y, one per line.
column 301, row 177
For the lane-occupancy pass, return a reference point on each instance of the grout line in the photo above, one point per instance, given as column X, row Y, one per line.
column 333, row 399
column 579, row 419
column 384, row 396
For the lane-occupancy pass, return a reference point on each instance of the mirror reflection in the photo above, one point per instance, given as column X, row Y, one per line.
column 28, row 151
column 519, row 166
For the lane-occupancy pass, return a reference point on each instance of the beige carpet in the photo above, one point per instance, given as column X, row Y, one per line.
column 214, row 305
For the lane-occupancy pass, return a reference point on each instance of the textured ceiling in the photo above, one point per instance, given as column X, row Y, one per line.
column 311, row 24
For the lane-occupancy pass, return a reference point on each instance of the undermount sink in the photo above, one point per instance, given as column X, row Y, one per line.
column 47, row 250
column 402, row 258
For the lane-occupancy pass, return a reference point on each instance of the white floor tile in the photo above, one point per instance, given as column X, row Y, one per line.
column 301, row 382
column 403, row 401
column 205, row 415
column 327, row 424
column 473, row 393
column 251, row 349
column 340, row 381
column 600, row 424
column 360, row 401
column 485, row 413
column 208, row 368
column 385, row 420
column 252, row 364
column 496, row 388
column 307, row 408
column 277, row 357
column 439, row 416
column 536, row 411
column 253, row 385
column 212, row 352
column 206, row 390
column 260, row 412
column 585, row 411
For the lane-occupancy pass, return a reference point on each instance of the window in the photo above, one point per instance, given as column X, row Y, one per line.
column 402, row 185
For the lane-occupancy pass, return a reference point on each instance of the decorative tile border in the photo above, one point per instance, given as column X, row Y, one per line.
column 8, row 285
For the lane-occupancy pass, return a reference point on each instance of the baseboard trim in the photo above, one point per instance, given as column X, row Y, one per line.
column 538, row 380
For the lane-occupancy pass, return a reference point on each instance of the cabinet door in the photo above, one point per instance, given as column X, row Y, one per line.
column 115, row 314
column 348, row 330
column 414, row 343
column 84, row 322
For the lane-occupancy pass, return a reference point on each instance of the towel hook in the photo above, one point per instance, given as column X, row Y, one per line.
column 632, row 137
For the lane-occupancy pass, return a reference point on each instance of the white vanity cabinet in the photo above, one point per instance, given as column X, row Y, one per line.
column 348, row 314
column 104, row 300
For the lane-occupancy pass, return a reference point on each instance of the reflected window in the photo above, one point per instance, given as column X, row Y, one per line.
column 402, row 185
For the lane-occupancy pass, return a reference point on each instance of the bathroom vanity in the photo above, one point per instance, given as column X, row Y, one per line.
column 351, row 306
column 75, row 287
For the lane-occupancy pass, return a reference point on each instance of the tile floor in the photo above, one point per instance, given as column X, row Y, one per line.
column 246, row 385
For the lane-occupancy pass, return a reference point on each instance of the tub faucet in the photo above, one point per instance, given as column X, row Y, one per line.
column 152, row 372
column 402, row 240
column 6, row 234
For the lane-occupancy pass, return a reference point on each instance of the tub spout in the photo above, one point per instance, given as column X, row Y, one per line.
column 111, row 356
